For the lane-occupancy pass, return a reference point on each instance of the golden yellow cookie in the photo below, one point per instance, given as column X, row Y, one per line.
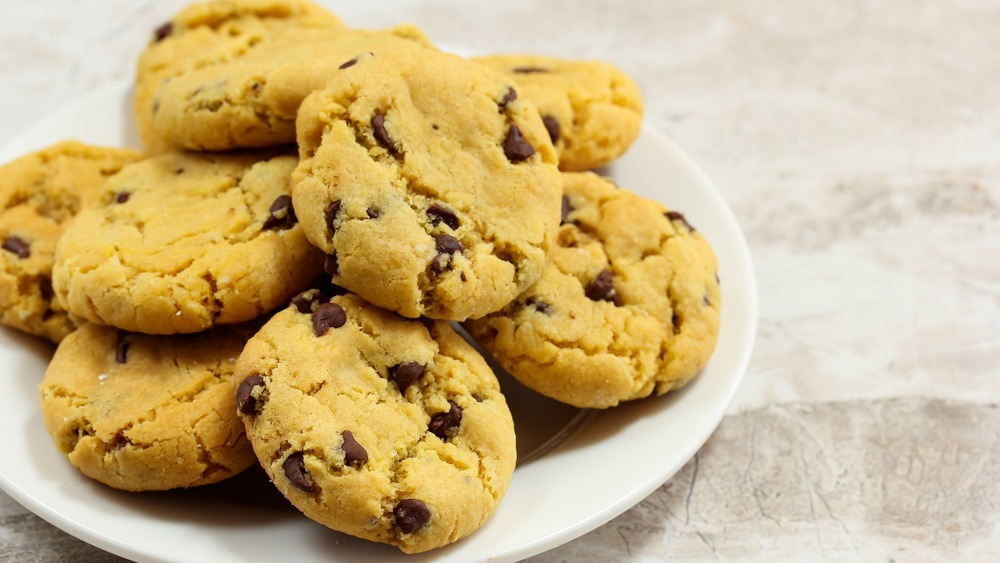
column 385, row 428
column 592, row 109
column 39, row 194
column 182, row 242
column 147, row 413
column 628, row 305
column 430, row 185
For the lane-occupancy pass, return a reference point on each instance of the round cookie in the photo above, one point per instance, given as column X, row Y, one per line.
column 181, row 242
column 627, row 307
column 39, row 194
column 147, row 413
column 206, row 34
column 430, row 184
column 592, row 109
column 385, row 428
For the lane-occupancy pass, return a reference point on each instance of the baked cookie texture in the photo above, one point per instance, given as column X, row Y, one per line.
column 431, row 186
column 39, row 194
column 627, row 307
column 244, row 91
column 147, row 413
column 592, row 109
column 385, row 428
column 182, row 242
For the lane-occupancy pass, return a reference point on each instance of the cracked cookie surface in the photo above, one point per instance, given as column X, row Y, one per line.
column 592, row 109
column 385, row 428
column 429, row 183
column 143, row 413
column 628, row 305
column 181, row 242
column 39, row 194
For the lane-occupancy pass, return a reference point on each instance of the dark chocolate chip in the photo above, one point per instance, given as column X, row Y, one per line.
column 295, row 470
column 372, row 213
column 539, row 305
column 164, row 31
column 18, row 246
column 552, row 126
column 443, row 422
column 327, row 316
column 438, row 213
column 348, row 64
column 411, row 515
column 282, row 214
column 122, row 197
column 515, row 146
column 179, row 171
column 308, row 300
column 439, row 263
column 675, row 216
column 121, row 353
column 354, row 453
column 509, row 96
column 406, row 374
column 566, row 209
column 381, row 135
column 706, row 300
column 330, row 264
column 330, row 214
column 462, row 277
column 530, row 70
column 246, row 401
column 447, row 244
column 603, row 289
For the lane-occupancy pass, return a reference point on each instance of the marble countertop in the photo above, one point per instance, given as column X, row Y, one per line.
column 858, row 144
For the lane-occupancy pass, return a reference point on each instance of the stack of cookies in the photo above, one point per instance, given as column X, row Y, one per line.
column 275, row 279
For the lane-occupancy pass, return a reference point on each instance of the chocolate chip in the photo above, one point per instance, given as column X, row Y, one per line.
column 121, row 352
column 381, row 135
column 330, row 214
column 443, row 422
column 18, row 246
column 675, row 216
column 295, row 470
column 246, row 400
column 603, row 289
column 330, row 264
column 509, row 96
column 406, row 374
column 282, row 214
column 552, row 126
column 439, row 263
column 530, row 70
column 348, row 64
column 566, row 209
column 706, row 300
column 372, row 213
column 515, row 146
column 411, row 515
column 462, row 277
column 438, row 213
column 539, row 305
column 354, row 454
column 164, row 31
column 308, row 300
column 122, row 197
column 447, row 244
column 179, row 171
column 327, row 316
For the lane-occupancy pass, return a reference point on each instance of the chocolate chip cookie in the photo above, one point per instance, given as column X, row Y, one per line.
column 592, row 109
column 181, row 242
column 39, row 194
column 147, row 413
column 430, row 185
column 628, row 305
column 385, row 428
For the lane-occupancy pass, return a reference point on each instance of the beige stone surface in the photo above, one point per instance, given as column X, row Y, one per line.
column 858, row 144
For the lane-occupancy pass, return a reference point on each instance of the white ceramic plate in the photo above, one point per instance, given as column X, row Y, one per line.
column 577, row 469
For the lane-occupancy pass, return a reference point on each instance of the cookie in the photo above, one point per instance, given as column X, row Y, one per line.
column 147, row 413
column 39, row 194
column 181, row 242
column 593, row 110
column 429, row 183
column 385, row 428
column 207, row 34
column 627, row 307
